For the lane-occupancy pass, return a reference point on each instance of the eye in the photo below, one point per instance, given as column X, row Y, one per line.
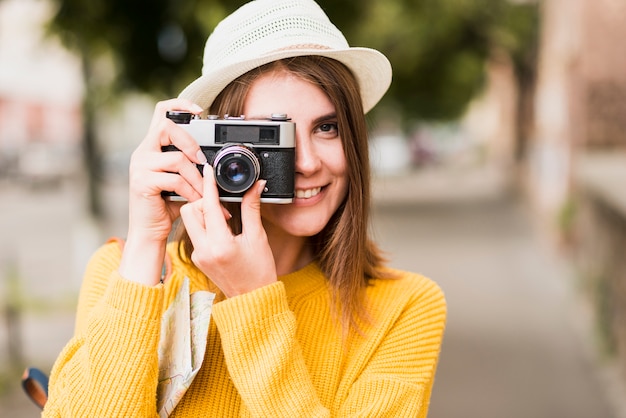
column 328, row 129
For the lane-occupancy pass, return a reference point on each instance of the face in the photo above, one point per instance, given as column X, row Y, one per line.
column 321, row 172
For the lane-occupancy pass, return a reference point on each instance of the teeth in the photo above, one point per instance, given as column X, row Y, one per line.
column 308, row 193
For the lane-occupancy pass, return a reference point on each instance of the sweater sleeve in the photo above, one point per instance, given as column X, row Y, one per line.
column 263, row 356
column 398, row 378
column 110, row 366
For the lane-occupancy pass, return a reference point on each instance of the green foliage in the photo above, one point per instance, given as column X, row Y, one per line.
column 131, row 31
column 437, row 47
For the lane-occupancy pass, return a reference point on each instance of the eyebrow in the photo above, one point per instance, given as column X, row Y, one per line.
column 324, row 118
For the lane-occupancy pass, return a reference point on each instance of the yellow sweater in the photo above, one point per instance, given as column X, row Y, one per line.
column 274, row 352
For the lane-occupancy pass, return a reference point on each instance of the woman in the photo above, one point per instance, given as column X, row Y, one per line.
column 307, row 320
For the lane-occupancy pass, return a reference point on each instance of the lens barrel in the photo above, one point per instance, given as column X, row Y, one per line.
column 237, row 168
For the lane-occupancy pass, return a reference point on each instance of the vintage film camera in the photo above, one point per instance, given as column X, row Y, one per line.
column 242, row 151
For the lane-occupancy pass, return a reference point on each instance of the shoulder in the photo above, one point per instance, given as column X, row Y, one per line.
column 107, row 256
column 406, row 292
column 96, row 278
column 412, row 285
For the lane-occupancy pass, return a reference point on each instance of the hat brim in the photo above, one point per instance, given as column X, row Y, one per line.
column 370, row 67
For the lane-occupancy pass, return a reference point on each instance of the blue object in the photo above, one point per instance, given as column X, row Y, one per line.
column 35, row 384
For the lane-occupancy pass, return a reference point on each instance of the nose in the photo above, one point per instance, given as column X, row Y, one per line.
column 307, row 158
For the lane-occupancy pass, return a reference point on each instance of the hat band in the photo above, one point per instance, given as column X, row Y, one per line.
column 299, row 47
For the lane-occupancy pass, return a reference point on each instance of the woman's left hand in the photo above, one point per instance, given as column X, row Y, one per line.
column 237, row 264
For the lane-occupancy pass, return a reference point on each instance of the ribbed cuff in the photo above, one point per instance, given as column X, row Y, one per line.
column 255, row 306
column 133, row 298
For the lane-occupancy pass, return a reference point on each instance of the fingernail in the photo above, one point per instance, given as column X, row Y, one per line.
column 201, row 157
column 196, row 108
column 262, row 186
column 206, row 169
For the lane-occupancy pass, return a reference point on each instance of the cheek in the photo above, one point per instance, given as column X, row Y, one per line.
column 338, row 166
column 340, row 190
column 335, row 160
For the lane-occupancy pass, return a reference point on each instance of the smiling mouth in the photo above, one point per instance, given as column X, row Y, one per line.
column 308, row 193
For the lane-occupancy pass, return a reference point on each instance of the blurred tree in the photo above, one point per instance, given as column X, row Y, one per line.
column 155, row 45
column 437, row 48
column 519, row 37
column 147, row 45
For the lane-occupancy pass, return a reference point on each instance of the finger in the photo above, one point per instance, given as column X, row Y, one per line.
column 167, row 162
column 165, row 132
column 157, row 182
column 173, row 134
column 191, row 215
column 190, row 173
column 251, row 208
column 211, row 207
column 227, row 215
column 171, row 162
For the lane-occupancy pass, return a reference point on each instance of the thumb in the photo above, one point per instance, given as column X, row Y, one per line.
column 251, row 208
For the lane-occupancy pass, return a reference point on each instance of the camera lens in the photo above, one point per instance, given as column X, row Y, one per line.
column 236, row 168
column 236, row 172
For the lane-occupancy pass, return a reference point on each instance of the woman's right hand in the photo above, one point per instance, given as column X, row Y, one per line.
column 152, row 171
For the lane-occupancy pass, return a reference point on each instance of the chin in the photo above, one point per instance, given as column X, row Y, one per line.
column 296, row 226
column 303, row 230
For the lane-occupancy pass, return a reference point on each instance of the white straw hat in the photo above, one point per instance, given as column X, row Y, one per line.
column 263, row 31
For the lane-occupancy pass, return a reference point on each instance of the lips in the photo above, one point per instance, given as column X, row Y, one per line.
column 307, row 193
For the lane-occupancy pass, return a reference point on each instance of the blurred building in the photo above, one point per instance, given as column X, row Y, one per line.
column 581, row 92
column 577, row 163
column 573, row 164
column 40, row 96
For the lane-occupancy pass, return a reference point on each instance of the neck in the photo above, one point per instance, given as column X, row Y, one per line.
column 291, row 253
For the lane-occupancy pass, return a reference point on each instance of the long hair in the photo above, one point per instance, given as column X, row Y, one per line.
column 343, row 249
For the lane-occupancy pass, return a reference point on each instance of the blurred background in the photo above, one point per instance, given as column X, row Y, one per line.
column 499, row 162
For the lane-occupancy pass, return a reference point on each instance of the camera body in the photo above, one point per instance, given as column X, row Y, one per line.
column 242, row 151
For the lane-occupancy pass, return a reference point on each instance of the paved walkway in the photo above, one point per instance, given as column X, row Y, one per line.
column 518, row 340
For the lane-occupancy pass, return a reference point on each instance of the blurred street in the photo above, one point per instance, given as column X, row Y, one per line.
column 518, row 341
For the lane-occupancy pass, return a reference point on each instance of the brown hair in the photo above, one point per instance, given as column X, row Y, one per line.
column 343, row 250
